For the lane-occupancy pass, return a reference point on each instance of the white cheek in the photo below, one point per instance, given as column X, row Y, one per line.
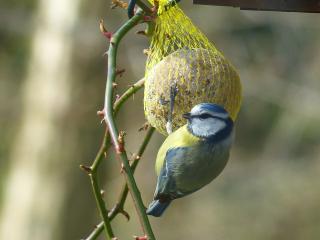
column 214, row 125
column 207, row 127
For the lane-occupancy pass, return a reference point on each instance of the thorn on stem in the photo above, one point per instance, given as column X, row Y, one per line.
column 104, row 31
column 134, row 158
column 114, row 84
column 105, row 54
column 119, row 72
column 144, row 127
column 100, row 113
column 121, row 136
column 102, row 192
column 124, row 213
column 122, row 168
column 87, row 169
column 118, row 3
column 120, row 147
column 140, row 238
column 141, row 32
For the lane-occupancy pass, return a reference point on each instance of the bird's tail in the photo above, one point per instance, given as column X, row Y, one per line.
column 156, row 208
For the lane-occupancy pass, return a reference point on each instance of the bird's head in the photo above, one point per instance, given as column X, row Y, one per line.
column 208, row 119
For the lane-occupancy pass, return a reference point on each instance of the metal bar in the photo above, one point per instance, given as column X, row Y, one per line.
column 230, row 3
column 311, row 6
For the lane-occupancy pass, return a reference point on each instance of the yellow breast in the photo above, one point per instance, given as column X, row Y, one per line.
column 180, row 138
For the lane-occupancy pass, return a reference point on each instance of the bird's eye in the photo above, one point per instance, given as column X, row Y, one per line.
column 205, row 116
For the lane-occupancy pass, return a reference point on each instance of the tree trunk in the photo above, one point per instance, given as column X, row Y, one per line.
column 34, row 193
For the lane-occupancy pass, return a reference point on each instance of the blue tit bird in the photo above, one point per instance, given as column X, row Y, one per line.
column 192, row 156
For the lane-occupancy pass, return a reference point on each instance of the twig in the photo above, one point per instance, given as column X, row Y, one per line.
column 95, row 233
column 118, row 208
column 102, row 207
column 136, row 158
column 92, row 172
column 132, row 90
column 113, row 131
column 116, row 107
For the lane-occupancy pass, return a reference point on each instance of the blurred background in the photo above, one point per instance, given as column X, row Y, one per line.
column 52, row 80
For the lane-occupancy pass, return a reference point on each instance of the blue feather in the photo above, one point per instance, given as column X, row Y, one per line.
column 212, row 107
column 156, row 208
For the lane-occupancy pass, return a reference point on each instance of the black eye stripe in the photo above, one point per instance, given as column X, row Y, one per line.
column 206, row 115
column 203, row 116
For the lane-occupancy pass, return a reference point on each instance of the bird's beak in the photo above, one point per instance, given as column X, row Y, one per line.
column 187, row 115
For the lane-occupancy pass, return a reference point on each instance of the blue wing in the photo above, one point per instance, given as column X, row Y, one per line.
column 187, row 169
column 167, row 188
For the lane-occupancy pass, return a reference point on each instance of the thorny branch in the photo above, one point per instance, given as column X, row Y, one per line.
column 116, row 138
column 112, row 135
column 119, row 206
column 92, row 170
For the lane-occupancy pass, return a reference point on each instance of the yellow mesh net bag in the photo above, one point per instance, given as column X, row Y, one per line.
column 181, row 58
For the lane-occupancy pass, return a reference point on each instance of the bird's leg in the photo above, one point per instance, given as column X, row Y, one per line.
column 173, row 93
column 131, row 6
